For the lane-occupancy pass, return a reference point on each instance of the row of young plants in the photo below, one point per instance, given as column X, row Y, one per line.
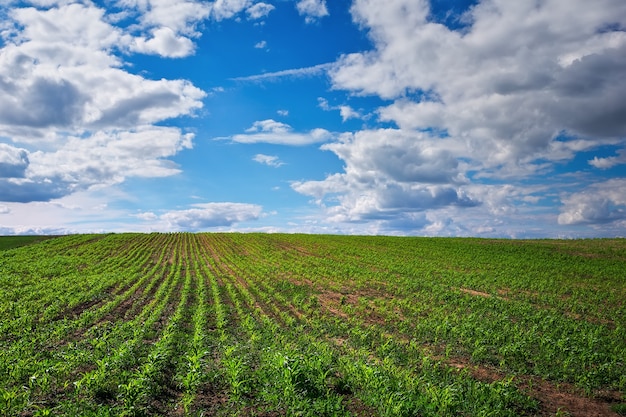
column 45, row 357
column 230, row 324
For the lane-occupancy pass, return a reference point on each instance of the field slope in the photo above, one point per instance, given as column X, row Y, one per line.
column 310, row 325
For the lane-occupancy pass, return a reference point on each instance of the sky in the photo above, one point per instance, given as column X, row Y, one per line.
column 486, row 118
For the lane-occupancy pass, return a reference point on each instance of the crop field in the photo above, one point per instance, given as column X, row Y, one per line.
column 310, row 325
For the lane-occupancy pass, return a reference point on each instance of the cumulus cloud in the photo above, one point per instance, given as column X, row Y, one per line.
column 105, row 158
column 13, row 161
column 312, row 10
column 506, row 92
column 181, row 16
column 278, row 133
column 226, row 9
column 345, row 111
column 609, row 162
column 599, row 203
column 85, row 120
column 209, row 215
column 61, row 72
column 389, row 172
column 514, row 79
column 165, row 42
column 259, row 10
column 270, row 160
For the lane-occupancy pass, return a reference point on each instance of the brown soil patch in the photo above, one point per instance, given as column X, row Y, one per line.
column 474, row 292
column 357, row 408
column 77, row 310
column 501, row 293
column 552, row 397
column 332, row 300
column 209, row 400
column 565, row 397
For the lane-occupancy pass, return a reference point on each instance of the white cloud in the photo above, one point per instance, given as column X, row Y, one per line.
column 348, row 112
column 517, row 89
column 388, row 173
column 210, row 215
column 164, row 42
column 283, row 113
column 502, row 83
column 84, row 121
column 312, row 9
column 13, row 161
column 63, row 75
column 271, row 131
column 81, row 212
column 260, row 45
column 345, row 111
column 259, row 10
column 270, row 160
column 599, row 203
column 180, row 16
column 147, row 216
column 91, row 212
column 609, row 162
column 226, row 9
column 105, row 158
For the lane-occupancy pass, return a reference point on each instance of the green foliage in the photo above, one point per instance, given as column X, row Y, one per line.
column 245, row 324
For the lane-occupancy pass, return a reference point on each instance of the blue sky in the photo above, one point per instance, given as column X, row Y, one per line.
column 483, row 118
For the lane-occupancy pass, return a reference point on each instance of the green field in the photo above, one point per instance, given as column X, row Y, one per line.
column 311, row 325
column 10, row 242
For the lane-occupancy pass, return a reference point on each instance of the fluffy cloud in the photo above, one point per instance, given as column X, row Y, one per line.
column 600, row 203
column 345, row 111
column 502, row 95
column 209, row 215
column 514, row 79
column 165, row 42
column 84, row 119
column 13, row 161
column 389, row 172
column 271, row 131
column 180, row 16
column 270, row 160
column 312, row 9
column 609, row 162
column 259, row 10
column 106, row 158
column 61, row 72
